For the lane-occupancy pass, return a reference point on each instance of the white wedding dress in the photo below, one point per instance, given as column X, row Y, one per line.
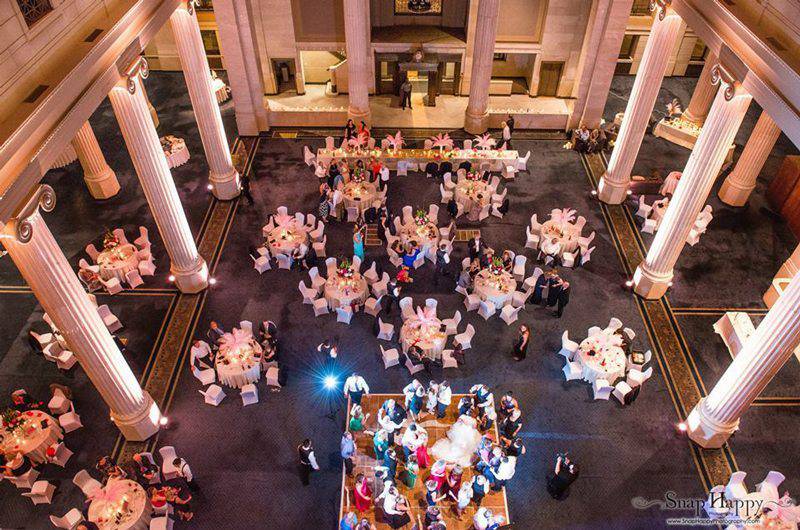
column 461, row 442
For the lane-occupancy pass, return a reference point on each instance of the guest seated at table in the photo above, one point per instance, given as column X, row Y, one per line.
column 415, row 355
column 508, row 261
column 404, row 275
column 397, row 246
column 21, row 401
column 458, row 353
column 86, row 525
column 486, row 258
column 327, row 348
column 145, row 470
column 486, row 176
column 108, row 469
column 503, row 208
column 452, row 208
column 359, row 173
column 269, row 329
column 410, row 254
column 214, row 333
column 333, row 171
column 17, row 465
column 90, row 279
column 299, row 256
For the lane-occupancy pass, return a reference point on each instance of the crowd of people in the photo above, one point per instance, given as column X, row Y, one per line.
column 585, row 140
column 206, row 350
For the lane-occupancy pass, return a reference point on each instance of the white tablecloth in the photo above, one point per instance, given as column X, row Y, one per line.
column 430, row 339
column 359, row 195
column 121, row 497
column 426, row 235
column 237, row 363
column 608, row 361
column 473, row 195
column 32, row 440
column 287, row 236
column 344, row 291
column 177, row 154
column 498, row 289
column 117, row 262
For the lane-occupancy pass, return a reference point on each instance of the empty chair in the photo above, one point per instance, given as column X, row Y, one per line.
column 408, row 214
column 330, row 264
column 519, row 267
column 448, row 361
column 736, row 489
column 431, row 304
column 584, row 242
column 568, row 259
column 390, row 357
column 487, row 309
column 629, row 333
column 284, row 261
column 317, row 281
column 320, row 307
column 621, row 390
column 465, row 339
column 206, row 377
column 406, row 307
column 311, row 221
column 602, row 390
column 770, row 484
column 472, row 302
column 249, row 394
column 385, row 330
column 484, row 212
column 433, row 213
column 43, row 340
column 380, row 288
column 467, row 144
column 372, row 306
column 66, row 360
column 119, row 233
column 518, row 298
column 580, row 222
column 637, row 377
column 568, row 347
column 402, row 169
column 61, row 454
column 445, row 193
column 213, row 395
column 134, row 279
column 530, row 282
column 649, row 226
column 594, row 330
column 246, row 325
column 168, row 456
column 522, row 162
column 330, row 144
column 147, row 267
column 531, row 239
column 273, row 376
column 694, row 236
column 69, row 520
column 41, row 492
column 109, row 319
column 319, row 246
column 161, row 523
column 498, row 198
column 52, row 351
column 716, row 509
column 309, row 293
column 261, row 264
column 112, row 285
column 451, row 324
column 143, row 241
column 344, row 314
column 644, row 210
column 413, row 368
column 308, row 156
column 317, row 233
column 92, row 251
column 70, row 421
column 371, row 275
column 614, row 324
column 282, row 212
column 26, row 480
column 59, row 403
column 586, row 256
column 300, row 218
column 419, row 261
column 428, row 144
column 352, row 214
column 509, row 314
column 86, row 483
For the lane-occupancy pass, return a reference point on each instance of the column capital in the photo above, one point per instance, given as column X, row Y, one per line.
column 139, row 68
column 662, row 6
column 726, row 81
column 43, row 197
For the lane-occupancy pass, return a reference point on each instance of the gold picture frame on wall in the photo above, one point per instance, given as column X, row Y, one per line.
column 417, row 7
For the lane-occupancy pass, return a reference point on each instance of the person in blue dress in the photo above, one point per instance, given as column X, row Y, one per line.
column 358, row 244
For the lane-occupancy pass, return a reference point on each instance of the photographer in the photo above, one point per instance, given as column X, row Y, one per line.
column 564, row 475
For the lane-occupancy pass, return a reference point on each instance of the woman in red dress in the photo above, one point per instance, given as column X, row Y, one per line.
column 362, row 493
column 438, row 473
column 422, row 451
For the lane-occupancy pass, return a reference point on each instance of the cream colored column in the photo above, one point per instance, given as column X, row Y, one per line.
column 477, row 116
column 742, row 180
column 703, row 95
column 55, row 285
column 716, row 416
column 613, row 188
column 100, row 178
column 127, row 100
column 223, row 176
column 654, row 274
column 358, row 71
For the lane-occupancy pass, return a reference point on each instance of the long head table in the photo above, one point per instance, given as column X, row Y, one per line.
column 390, row 156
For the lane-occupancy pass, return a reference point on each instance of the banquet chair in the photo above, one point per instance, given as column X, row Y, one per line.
column 385, row 330
column 157, row 476
column 594, row 330
column 431, row 303
column 59, row 403
column 373, row 306
column 402, row 169
column 472, row 302
column 769, row 486
column 330, row 143
column 531, row 239
column 433, row 213
column 519, row 298
column 147, row 267
column 736, row 489
column 461, row 290
column 83, row 264
column 371, row 275
column 119, row 233
column 112, row 285
column 629, row 333
column 249, row 394
column 568, row 260
column 70, row 421
column 413, row 368
column 494, row 182
column 584, row 242
column 495, row 211
column 509, row 172
column 261, row 264
column 206, row 377
column 509, row 314
column 451, row 324
column 109, row 319
column 637, row 377
column 320, row 307
column 536, row 226
column 282, row 211
column 92, row 252
column 26, row 480
column 309, row 293
column 390, row 357
column 385, row 144
column 66, row 360
column 465, row 339
column 246, row 325
column 269, row 227
column 356, row 263
column 522, row 162
column 447, row 179
column 161, row 523
column 145, row 253
column 644, row 210
column 273, row 376
column 572, row 370
column 601, row 389
column 344, row 314
column 41, row 492
column 318, row 233
column 498, row 198
column 586, row 256
column 631, row 365
column 568, row 347
column 694, row 236
column 448, row 361
column 168, row 456
column 712, row 506
column 69, row 520
column 484, row 212
column 213, row 395
column 42, row 339
column 317, row 281
column 352, row 214
column 61, row 454
column 468, row 144
column 519, row 267
column 406, row 307
column 284, row 261
column 465, row 263
column 446, row 194
column 530, row 282
column 143, row 241
column 300, row 217
column 319, row 247
column 134, row 278
column 52, row 351
column 311, row 221
column 649, row 226
column 428, row 143
column 579, row 224
column 380, row 288
column 308, row 156
column 621, row 390
column 614, row 324
column 87, row 484
column 408, row 215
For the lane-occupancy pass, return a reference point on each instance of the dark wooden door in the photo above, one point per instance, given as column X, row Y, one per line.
column 549, row 78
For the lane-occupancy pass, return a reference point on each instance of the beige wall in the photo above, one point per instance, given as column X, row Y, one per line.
column 562, row 40
column 515, row 65
column 521, row 20
column 316, row 65
column 317, row 21
column 454, row 15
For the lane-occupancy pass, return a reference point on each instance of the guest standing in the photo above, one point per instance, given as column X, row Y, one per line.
column 362, row 494
column 350, row 130
column 348, row 451
column 185, row 472
column 564, row 474
column 308, row 461
column 358, row 244
column 521, row 346
column 443, row 397
column 405, row 94
column 245, row 182
column 355, row 387
column 506, row 135
column 563, row 298
column 442, row 259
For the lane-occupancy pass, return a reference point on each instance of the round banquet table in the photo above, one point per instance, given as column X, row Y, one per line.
column 563, row 234
column 122, row 496
column 426, row 235
column 32, row 440
column 176, row 153
column 609, row 360
column 118, row 261
column 238, row 360
column 287, row 236
column 428, row 336
column 359, row 195
column 340, row 292
column 498, row 289
column 473, row 195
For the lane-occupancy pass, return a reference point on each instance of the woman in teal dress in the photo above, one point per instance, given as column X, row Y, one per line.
column 381, row 444
column 358, row 244
column 357, row 418
column 412, row 470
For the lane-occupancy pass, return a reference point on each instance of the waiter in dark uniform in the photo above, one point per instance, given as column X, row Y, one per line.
column 308, row 461
column 565, row 473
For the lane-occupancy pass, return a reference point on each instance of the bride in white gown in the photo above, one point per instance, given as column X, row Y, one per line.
column 461, row 442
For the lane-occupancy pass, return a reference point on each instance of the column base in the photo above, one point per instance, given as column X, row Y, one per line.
column 102, row 186
column 225, row 187
column 650, row 285
column 476, row 123
column 705, row 431
column 611, row 192
column 194, row 280
column 141, row 425
column 734, row 194
column 358, row 115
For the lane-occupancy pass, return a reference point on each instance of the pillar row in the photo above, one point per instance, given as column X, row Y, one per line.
column 100, row 178
column 477, row 115
column 703, row 95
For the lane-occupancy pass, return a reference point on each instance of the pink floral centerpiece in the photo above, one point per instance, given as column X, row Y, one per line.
column 345, row 269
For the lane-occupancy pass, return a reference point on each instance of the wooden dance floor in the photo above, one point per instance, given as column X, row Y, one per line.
column 365, row 463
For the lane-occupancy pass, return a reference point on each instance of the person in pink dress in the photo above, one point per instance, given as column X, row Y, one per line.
column 362, row 493
column 438, row 473
column 422, row 451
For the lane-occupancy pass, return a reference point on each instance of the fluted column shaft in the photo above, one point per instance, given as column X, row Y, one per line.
column 46, row 270
column 188, row 267
column 223, row 176
column 613, row 188
column 100, row 178
column 477, row 114
column 703, row 95
column 742, row 180
column 358, row 71
column 764, row 353
column 653, row 276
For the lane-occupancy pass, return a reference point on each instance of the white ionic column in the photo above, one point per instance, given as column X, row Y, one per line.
column 613, row 188
column 742, row 180
column 765, row 352
column 127, row 100
column 703, row 95
column 223, row 176
column 654, row 274
column 100, row 178
column 358, row 71
column 477, row 115
column 46, row 270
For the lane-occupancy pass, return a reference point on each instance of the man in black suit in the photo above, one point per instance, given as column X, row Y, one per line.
column 392, row 296
column 475, row 246
column 563, row 298
column 510, row 123
column 553, row 290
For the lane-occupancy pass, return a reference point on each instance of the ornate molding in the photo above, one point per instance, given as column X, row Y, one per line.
column 720, row 76
column 45, row 198
column 140, row 68
column 662, row 6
